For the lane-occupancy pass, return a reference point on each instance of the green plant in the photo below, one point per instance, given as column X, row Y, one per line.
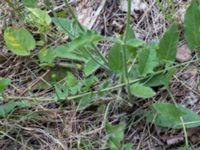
column 137, row 65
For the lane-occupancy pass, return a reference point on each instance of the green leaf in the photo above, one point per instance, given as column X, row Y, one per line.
column 135, row 43
column 71, row 80
column 19, row 41
column 115, row 134
column 30, row 3
column 160, row 79
column 90, row 67
column 67, row 26
column 40, row 16
column 142, row 91
column 85, row 102
column 115, row 58
column 7, row 108
column 192, row 26
column 70, row 50
column 3, row 85
column 168, row 44
column 128, row 146
column 130, row 34
column 147, row 61
column 185, row 148
column 169, row 115
column 61, row 91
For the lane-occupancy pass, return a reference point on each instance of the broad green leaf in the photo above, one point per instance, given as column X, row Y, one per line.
column 88, row 83
column 3, row 85
column 142, row 91
column 168, row 44
column 70, row 50
column 90, row 67
column 85, row 102
column 46, row 56
column 115, row 135
column 85, row 39
column 40, row 16
column 160, row 79
column 115, row 60
column 130, row 33
column 61, row 91
column 49, row 55
column 7, row 108
column 135, row 43
column 132, row 45
column 19, row 41
column 169, row 115
column 67, row 26
column 71, row 80
column 147, row 61
column 192, row 26
column 72, row 83
column 30, row 3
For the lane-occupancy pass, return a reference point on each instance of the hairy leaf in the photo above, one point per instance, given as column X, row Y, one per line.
column 135, row 43
column 7, row 108
column 67, row 26
column 192, row 26
column 160, row 79
column 19, row 41
column 40, row 16
column 168, row 44
column 115, row 134
column 70, row 50
column 90, row 67
column 115, row 60
column 148, row 60
column 169, row 115
column 142, row 91
column 61, row 91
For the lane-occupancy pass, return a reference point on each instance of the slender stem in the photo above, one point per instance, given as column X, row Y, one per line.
column 128, row 20
column 73, row 14
column 95, row 92
column 124, row 52
column 185, row 132
column 126, row 73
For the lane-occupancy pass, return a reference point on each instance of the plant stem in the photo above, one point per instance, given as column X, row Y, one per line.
column 124, row 51
column 73, row 14
column 128, row 20
column 95, row 92
column 185, row 132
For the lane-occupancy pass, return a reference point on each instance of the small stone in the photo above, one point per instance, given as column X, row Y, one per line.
column 183, row 53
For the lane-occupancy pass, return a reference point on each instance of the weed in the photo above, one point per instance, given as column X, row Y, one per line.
column 137, row 67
